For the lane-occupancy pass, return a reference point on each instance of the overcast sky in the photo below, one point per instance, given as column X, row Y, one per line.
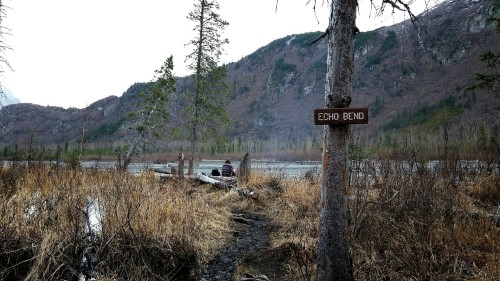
column 71, row 53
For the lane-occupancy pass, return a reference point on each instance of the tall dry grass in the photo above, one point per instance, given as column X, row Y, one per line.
column 151, row 230
column 423, row 225
column 292, row 206
column 410, row 220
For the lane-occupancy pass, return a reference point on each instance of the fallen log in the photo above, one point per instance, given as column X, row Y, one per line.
column 218, row 182
column 162, row 171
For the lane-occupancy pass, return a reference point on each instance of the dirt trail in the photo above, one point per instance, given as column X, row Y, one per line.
column 251, row 235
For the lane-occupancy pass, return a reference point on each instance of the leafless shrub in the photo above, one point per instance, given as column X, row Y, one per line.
column 415, row 227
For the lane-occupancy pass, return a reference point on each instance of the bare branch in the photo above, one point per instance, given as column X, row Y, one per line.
column 3, row 47
column 401, row 6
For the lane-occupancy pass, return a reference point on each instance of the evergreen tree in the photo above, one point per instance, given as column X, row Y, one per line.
column 206, row 113
column 152, row 119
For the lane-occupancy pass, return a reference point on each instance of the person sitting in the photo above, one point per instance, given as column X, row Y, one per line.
column 227, row 169
column 215, row 173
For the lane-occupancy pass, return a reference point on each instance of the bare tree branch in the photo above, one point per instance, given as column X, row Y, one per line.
column 400, row 5
column 3, row 48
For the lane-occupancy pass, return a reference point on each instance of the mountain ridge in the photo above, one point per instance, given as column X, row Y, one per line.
column 410, row 78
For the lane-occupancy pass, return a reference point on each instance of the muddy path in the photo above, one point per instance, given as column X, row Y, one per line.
column 250, row 236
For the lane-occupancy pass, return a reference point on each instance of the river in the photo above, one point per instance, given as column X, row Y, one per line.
column 287, row 168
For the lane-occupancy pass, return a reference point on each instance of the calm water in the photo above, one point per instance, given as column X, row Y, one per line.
column 287, row 168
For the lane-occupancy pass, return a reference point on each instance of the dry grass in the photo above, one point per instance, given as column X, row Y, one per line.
column 405, row 225
column 151, row 230
column 419, row 225
column 427, row 232
column 486, row 189
column 296, row 216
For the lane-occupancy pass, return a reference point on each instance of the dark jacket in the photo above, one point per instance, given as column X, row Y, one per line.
column 227, row 170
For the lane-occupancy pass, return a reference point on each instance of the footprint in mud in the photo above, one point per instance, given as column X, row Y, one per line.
column 251, row 235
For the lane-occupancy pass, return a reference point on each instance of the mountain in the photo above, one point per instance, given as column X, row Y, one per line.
column 412, row 78
column 407, row 76
column 7, row 98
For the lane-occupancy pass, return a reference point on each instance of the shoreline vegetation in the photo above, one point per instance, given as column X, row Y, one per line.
column 408, row 222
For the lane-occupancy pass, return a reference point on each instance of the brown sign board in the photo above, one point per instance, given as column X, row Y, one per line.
column 340, row 116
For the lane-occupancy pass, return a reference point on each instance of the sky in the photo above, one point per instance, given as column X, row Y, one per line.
column 71, row 53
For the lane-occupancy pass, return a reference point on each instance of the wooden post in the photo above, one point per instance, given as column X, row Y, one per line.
column 180, row 166
column 244, row 169
column 191, row 166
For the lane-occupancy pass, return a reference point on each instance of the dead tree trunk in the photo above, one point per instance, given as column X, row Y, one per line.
column 180, row 166
column 244, row 169
column 334, row 262
column 128, row 156
column 191, row 166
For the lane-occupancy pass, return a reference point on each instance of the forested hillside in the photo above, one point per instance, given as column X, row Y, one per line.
column 411, row 77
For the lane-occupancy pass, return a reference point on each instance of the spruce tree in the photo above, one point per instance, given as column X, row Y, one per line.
column 153, row 116
column 206, row 112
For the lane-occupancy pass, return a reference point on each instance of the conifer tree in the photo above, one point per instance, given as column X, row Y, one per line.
column 153, row 117
column 206, row 112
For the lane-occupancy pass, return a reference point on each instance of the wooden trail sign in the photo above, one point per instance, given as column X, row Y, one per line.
column 339, row 116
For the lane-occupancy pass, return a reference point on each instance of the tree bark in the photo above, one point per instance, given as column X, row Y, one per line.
column 180, row 166
column 191, row 166
column 334, row 262
column 197, row 82
column 128, row 156
column 244, row 169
